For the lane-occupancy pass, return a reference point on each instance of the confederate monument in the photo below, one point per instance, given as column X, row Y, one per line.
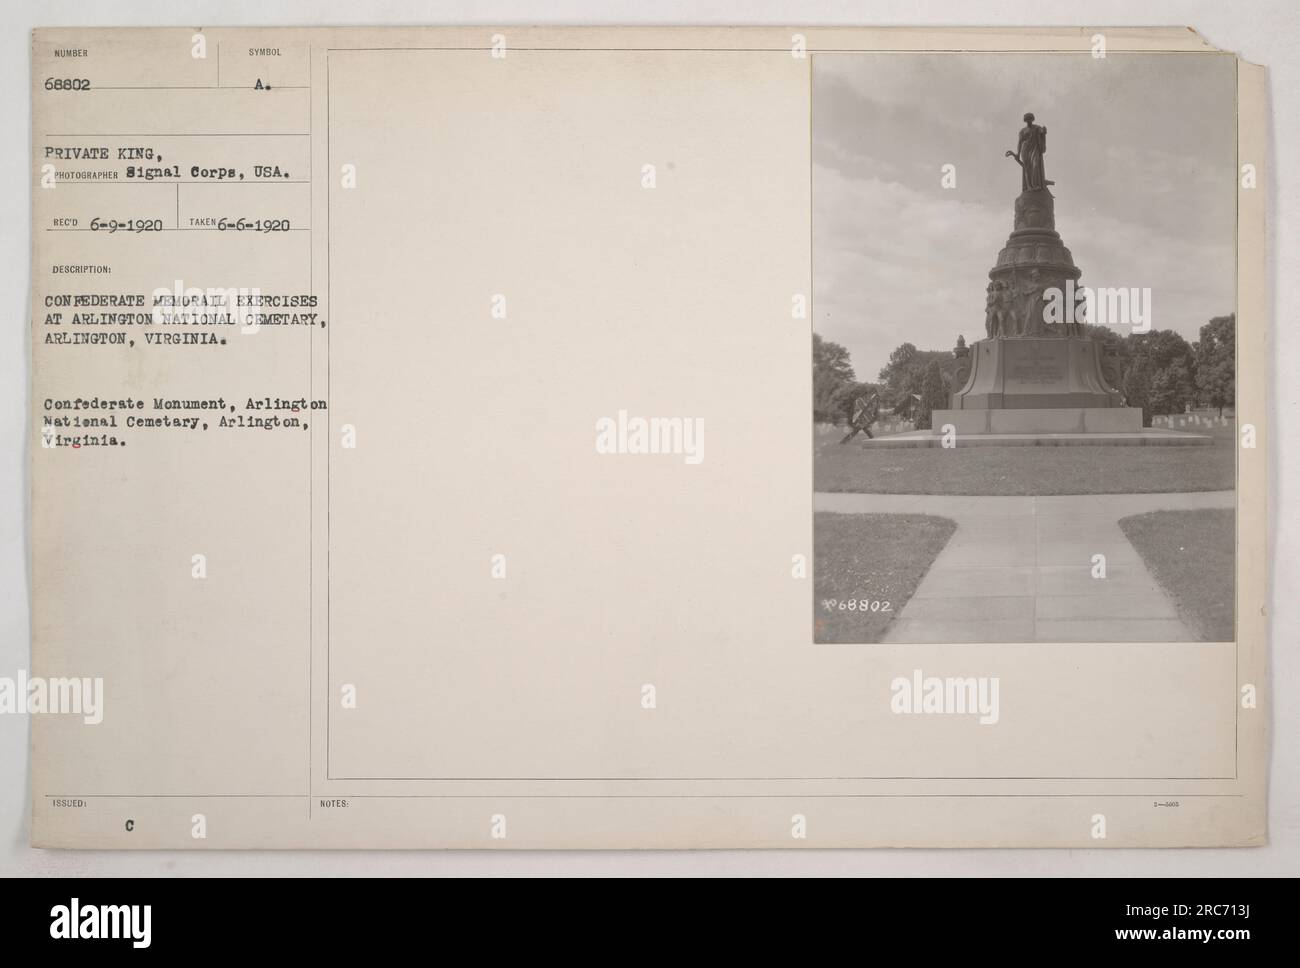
column 1029, row 375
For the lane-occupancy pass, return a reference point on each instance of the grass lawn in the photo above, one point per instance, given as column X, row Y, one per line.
column 1191, row 555
column 1093, row 469
column 874, row 558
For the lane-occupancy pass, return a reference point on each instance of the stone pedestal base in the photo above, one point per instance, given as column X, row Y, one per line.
column 1035, row 373
column 1056, row 420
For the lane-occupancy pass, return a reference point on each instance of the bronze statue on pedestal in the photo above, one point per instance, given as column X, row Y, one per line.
column 1030, row 148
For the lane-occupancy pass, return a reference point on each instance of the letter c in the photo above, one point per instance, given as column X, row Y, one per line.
column 130, row 825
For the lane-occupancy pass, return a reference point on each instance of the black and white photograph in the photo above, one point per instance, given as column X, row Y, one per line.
column 1024, row 347
column 410, row 472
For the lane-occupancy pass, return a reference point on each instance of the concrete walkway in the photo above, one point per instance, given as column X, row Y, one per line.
column 1019, row 569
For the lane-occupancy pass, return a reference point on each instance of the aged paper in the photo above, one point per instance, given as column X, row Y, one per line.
column 421, row 453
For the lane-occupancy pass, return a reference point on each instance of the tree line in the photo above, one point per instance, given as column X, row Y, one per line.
column 1159, row 371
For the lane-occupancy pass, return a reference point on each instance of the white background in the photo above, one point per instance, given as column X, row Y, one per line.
column 1262, row 32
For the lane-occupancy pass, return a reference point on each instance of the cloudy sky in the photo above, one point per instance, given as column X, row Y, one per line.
column 1141, row 146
